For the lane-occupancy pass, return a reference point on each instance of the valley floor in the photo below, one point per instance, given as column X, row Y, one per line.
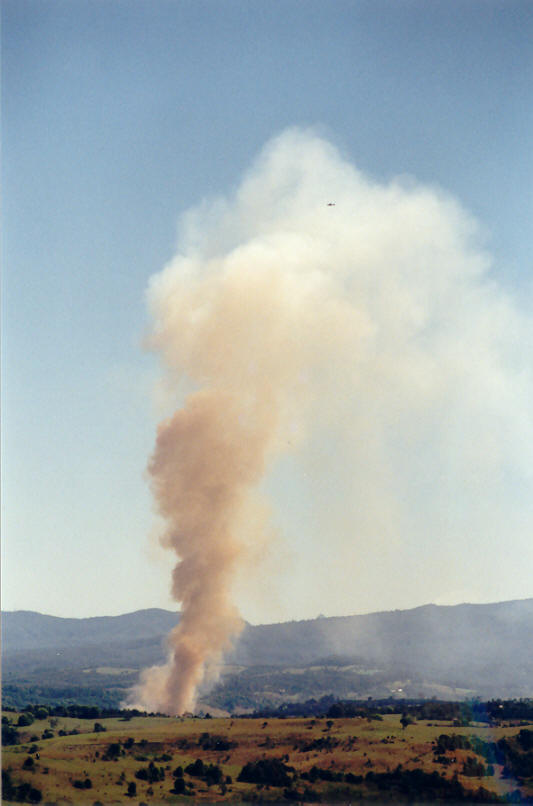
column 154, row 760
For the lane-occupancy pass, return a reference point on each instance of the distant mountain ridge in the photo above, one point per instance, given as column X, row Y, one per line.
column 460, row 650
column 27, row 629
column 421, row 632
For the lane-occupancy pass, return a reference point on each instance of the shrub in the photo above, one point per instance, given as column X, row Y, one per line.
column 179, row 786
column 351, row 778
column 213, row 775
column 23, row 793
column 525, row 739
column 8, row 789
column 406, row 720
column 210, row 773
column 219, row 743
column 271, row 771
column 10, row 736
column 318, row 773
column 150, row 773
column 324, row 743
column 452, row 741
column 113, row 752
column 196, row 769
column 310, row 796
column 473, row 768
column 291, row 794
column 78, row 784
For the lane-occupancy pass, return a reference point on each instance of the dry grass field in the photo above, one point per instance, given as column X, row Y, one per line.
column 324, row 760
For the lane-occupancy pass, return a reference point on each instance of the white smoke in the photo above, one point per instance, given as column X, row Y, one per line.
column 367, row 341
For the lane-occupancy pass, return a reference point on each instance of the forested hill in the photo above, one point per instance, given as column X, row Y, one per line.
column 452, row 652
column 485, row 631
column 25, row 629
column 425, row 634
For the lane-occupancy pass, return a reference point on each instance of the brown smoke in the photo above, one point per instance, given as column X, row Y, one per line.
column 242, row 331
column 205, row 461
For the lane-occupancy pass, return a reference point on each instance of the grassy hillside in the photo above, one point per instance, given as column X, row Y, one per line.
column 160, row 760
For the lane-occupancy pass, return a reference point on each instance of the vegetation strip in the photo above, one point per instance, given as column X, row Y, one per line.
column 401, row 752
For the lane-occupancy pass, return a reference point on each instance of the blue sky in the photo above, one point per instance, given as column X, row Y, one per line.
column 118, row 117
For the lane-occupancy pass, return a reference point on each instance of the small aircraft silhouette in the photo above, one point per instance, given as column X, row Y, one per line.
column 331, row 204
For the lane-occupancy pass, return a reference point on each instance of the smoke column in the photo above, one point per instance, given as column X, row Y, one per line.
column 373, row 321
column 205, row 462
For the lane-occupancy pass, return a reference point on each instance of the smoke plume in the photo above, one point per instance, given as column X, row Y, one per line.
column 369, row 325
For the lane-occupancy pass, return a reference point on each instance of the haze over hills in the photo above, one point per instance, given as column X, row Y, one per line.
column 26, row 629
column 445, row 651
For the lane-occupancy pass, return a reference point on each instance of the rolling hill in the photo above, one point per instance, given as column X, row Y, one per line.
column 450, row 652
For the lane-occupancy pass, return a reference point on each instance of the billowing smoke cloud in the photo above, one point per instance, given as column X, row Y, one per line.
column 370, row 326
